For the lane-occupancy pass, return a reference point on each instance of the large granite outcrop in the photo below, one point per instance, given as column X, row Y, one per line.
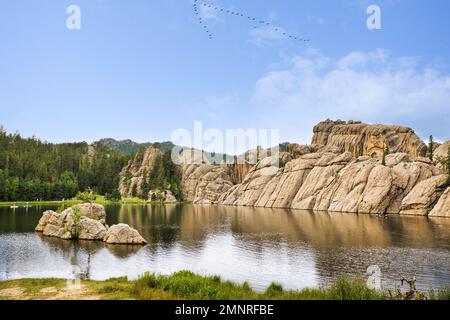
column 204, row 184
column 341, row 171
column 132, row 175
column 442, row 208
column 368, row 140
column 340, row 182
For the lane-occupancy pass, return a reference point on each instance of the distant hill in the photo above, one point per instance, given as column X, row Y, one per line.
column 129, row 146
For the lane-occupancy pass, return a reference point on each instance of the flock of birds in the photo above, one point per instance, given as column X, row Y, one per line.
column 257, row 23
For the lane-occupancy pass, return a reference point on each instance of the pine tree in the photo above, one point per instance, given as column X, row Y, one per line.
column 448, row 164
column 431, row 148
column 385, row 153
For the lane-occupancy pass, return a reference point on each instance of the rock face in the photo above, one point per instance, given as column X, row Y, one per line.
column 123, row 234
column 132, row 175
column 422, row 197
column 91, row 229
column 93, row 211
column 441, row 152
column 84, row 222
column 204, row 184
column 442, row 208
column 333, row 181
column 368, row 140
column 343, row 171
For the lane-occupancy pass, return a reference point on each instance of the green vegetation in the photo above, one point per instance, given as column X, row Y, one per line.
column 385, row 154
column 31, row 169
column 131, row 147
column 75, row 232
column 189, row 286
column 62, row 205
column 431, row 148
column 186, row 285
column 165, row 175
column 446, row 163
column 86, row 196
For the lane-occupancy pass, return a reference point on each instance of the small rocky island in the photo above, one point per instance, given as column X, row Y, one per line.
column 87, row 222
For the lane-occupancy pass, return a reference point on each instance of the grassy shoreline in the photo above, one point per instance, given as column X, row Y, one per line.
column 189, row 286
column 100, row 200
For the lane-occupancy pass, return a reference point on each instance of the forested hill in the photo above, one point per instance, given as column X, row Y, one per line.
column 130, row 147
column 31, row 169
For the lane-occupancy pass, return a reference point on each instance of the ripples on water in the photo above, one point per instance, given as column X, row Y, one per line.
column 295, row 248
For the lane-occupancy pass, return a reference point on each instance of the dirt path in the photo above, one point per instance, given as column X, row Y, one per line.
column 49, row 293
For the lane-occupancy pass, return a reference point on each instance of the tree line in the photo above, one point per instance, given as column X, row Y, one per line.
column 31, row 169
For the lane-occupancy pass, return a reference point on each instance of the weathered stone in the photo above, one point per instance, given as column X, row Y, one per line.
column 441, row 152
column 363, row 139
column 123, row 234
column 91, row 229
column 442, row 208
column 57, row 226
column 333, row 182
column 44, row 220
column 90, row 210
column 205, row 183
column 421, row 198
column 69, row 225
column 394, row 159
column 132, row 175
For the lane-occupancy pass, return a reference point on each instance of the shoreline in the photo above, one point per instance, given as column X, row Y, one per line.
column 128, row 201
column 186, row 285
column 140, row 202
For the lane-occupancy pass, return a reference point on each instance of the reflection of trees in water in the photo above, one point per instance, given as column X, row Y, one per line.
column 158, row 224
column 21, row 219
column 82, row 253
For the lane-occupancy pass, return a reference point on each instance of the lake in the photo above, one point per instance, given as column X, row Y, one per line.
column 295, row 248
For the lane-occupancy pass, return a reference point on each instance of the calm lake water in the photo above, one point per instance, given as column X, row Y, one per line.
column 295, row 248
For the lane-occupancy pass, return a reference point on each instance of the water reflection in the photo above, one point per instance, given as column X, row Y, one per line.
column 296, row 248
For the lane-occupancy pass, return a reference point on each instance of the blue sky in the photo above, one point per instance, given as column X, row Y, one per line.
column 141, row 69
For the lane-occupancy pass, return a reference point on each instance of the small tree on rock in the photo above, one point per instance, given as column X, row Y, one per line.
column 431, row 148
column 385, row 153
column 447, row 163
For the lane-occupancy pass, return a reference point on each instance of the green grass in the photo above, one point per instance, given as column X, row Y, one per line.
column 68, row 203
column 189, row 286
column 186, row 285
column 39, row 203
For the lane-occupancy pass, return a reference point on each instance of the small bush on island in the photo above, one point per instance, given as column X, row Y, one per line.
column 86, row 196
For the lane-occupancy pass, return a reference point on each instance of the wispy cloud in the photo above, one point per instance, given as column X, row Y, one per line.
column 373, row 87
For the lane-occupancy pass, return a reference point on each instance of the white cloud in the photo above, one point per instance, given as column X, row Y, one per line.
column 373, row 87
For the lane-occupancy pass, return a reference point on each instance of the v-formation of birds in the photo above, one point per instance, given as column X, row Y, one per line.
column 258, row 23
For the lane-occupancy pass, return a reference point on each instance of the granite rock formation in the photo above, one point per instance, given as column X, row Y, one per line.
column 86, row 222
column 368, row 140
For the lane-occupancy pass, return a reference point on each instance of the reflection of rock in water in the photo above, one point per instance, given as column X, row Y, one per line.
column 79, row 253
column 123, row 251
